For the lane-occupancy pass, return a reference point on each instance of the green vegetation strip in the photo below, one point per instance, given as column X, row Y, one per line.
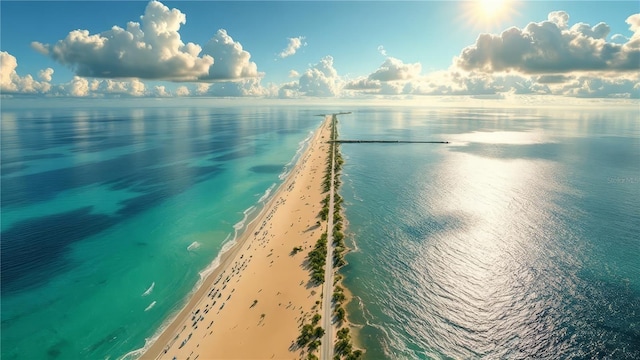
column 343, row 347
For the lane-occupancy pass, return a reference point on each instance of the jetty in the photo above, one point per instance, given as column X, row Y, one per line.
column 387, row 142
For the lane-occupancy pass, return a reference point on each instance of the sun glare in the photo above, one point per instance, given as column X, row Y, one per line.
column 488, row 13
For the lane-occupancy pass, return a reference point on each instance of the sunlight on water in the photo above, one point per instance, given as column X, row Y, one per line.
column 493, row 246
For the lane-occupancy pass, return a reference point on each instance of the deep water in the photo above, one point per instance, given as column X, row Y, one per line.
column 520, row 239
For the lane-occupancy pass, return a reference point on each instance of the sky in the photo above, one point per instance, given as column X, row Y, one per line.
column 327, row 49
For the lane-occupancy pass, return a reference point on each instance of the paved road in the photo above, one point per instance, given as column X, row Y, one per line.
column 326, row 350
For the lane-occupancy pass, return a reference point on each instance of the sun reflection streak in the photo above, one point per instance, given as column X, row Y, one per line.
column 485, row 266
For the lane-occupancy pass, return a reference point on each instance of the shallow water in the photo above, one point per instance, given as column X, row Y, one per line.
column 111, row 216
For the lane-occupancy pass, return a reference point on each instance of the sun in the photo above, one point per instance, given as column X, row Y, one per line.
column 491, row 8
column 488, row 14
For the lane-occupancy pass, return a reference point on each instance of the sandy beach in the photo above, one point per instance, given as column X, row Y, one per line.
column 254, row 304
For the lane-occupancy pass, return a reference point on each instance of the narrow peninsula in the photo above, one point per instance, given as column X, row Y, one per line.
column 266, row 299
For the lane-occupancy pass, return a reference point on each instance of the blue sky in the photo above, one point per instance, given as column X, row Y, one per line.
column 347, row 49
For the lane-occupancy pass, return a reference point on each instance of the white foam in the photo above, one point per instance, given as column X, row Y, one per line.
column 208, row 270
column 266, row 194
column 150, row 289
column 194, row 245
column 240, row 224
column 150, row 306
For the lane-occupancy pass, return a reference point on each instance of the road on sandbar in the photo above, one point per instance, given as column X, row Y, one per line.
column 326, row 351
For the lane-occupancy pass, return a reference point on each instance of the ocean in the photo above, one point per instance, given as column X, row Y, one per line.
column 111, row 217
column 518, row 239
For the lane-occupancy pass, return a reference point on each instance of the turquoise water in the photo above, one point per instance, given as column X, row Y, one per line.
column 519, row 239
column 110, row 217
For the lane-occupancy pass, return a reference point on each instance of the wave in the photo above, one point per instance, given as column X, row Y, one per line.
column 266, row 194
column 194, row 245
column 150, row 306
column 150, row 289
column 240, row 224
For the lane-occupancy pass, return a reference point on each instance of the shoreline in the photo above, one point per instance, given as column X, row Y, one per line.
column 250, row 253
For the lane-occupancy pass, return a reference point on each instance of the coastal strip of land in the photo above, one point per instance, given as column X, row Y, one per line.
column 255, row 303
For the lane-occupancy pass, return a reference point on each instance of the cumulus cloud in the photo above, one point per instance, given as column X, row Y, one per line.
column 497, row 85
column 202, row 88
column 634, row 26
column 82, row 87
column 182, row 91
column 11, row 82
column 321, row 79
column 293, row 74
column 553, row 47
column 245, row 87
column 382, row 51
column 598, row 87
column 231, row 61
column 293, row 46
column 289, row 90
column 78, row 86
column 151, row 49
column 161, row 91
column 133, row 87
column 394, row 69
column 46, row 74
column 363, row 83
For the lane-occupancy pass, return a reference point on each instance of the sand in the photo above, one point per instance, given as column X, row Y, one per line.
column 254, row 304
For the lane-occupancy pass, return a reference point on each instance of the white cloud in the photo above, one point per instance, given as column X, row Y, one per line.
column 202, row 88
column 382, row 51
column 394, row 69
column 598, row 87
column 552, row 47
column 77, row 87
column 137, row 88
column 498, row 85
column 289, row 90
column 151, row 49
column 244, row 87
column 634, row 26
column 11, row 82
column 363, row 83
column 231, row 61
column 321, row 79
column 161, row 91
column 182, row 91
column 46, row 74
column 133, row 87
column 293, row 74
column 293, row 46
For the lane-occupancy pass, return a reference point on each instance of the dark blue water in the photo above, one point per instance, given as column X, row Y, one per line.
column 519, row 240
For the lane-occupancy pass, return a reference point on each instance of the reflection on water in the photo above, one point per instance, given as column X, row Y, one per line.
column 499, row 245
